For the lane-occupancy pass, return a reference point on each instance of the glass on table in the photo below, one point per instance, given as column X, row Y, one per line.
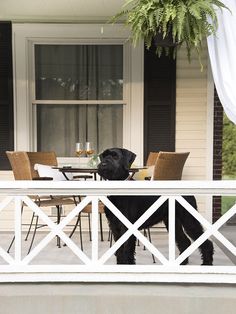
column 89, row 151
column 79, row 149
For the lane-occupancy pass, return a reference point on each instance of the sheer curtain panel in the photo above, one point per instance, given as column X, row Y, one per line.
column 78, row 72
column 222, row 51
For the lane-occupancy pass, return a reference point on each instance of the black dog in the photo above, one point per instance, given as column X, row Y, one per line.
column 115, row 164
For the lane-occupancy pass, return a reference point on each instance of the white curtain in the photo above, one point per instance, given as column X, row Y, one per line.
column 222, row 51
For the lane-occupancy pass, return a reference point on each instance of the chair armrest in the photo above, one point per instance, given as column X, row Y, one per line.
column 43, row 178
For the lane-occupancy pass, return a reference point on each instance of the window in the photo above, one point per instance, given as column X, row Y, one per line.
column 78, row 73
column 73, row 83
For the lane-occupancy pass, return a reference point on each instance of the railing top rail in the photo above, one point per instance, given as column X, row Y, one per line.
column 118, row 187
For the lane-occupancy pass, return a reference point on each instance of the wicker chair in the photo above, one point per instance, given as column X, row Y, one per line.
column 151, row 160
column 44, row 158
column 22, row 164
column 169, row 166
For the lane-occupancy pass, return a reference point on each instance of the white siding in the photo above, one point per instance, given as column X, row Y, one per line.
column 193, row 126
column 192, row 114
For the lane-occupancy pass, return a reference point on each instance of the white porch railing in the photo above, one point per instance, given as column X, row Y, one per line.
column 17, row 267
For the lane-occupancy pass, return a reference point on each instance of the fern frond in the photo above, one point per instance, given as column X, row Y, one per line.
column 158, row 15
column 189, row 22
column 181, row 12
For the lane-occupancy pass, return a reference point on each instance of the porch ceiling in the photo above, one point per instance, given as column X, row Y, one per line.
column 59, row 10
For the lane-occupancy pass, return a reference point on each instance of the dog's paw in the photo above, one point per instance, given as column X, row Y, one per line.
column 208, row 263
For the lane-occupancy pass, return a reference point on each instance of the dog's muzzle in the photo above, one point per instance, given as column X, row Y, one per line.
column 107, row 170
column 103, row 169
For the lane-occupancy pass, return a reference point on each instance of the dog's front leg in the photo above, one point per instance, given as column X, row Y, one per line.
column 129, row 251
column 116, row 233
column 126, row 253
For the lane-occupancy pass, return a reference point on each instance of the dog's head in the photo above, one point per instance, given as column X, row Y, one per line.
column 115, row 163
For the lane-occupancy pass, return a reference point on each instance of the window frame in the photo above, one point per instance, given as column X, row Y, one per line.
column 36, row 102
column 32, row 34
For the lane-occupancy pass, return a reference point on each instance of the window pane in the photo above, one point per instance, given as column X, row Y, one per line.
column 59, row 127
column 79, row 72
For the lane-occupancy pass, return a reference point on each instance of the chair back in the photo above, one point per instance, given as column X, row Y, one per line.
column 43, row 158
column 169, row 166
column 20, row 165
column 152, row 157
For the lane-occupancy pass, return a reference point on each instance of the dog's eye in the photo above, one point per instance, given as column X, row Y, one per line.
column 115, row 156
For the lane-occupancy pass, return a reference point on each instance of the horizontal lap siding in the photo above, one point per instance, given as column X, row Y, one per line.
column 191, row 113
column 191, row 119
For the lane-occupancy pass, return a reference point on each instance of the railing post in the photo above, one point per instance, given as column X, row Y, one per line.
column 171, row 227
column 18, row 206
column 95, row 209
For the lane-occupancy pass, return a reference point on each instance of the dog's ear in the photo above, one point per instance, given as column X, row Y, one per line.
column 128, row 156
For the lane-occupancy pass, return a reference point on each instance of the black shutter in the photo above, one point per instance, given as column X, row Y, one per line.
column 159, row 102
column 6, row 94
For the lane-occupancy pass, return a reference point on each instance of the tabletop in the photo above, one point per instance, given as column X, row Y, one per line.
column 91, row 170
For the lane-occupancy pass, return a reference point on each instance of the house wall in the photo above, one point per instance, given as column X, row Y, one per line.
column 193, row 126
column 194, row 94
column 194, row 119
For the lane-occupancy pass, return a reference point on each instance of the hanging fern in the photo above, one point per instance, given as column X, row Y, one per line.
column 186, row 21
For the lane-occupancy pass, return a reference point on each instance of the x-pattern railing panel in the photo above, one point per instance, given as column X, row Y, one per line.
column 210, row 230
column 96, row 263
column 132, row 229
column 56, row 229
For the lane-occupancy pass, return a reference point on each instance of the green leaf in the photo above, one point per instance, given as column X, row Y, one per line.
column 188, row 21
